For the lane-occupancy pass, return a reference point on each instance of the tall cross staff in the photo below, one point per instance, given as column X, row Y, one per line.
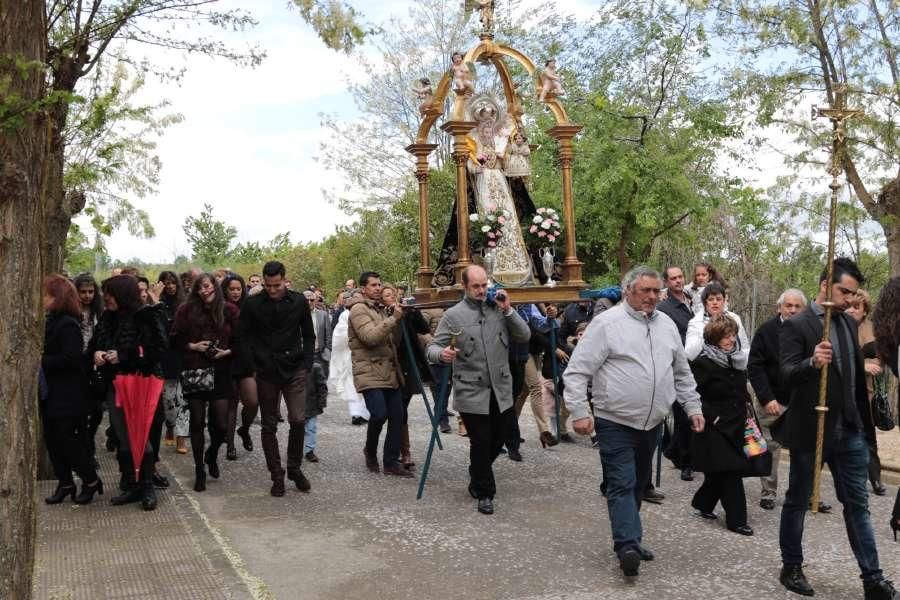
column 837, row 114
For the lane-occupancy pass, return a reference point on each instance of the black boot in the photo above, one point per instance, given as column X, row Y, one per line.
column 62, row 491
column 131, row 493
column 211, row 458
column 148, row 493
column 87, row 492
column 199, row 479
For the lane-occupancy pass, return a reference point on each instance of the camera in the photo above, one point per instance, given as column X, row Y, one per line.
column 212, row 350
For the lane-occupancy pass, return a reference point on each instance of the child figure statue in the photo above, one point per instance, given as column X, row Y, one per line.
column 551, row 82
column 425, row 94
column 462, row 76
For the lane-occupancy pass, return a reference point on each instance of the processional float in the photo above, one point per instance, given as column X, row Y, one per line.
column 470, row 112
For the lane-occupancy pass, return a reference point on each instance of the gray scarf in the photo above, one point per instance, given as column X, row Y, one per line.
column 720, row 357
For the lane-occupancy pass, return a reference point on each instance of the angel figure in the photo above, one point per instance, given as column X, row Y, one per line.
column 425, row 94
column 551, row 82
column 486, row 8
column 462, row 76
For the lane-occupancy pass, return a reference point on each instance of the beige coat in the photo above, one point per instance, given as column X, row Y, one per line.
column 374, row 338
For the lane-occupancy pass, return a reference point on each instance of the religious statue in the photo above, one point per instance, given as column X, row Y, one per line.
column 488, row 141
column 425, row 94
column 551, row 82
column 518, row 156
column 462, row 76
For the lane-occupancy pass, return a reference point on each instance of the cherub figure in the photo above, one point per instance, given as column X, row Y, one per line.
column 551, row 82
column 462, row 76
column 425, row 94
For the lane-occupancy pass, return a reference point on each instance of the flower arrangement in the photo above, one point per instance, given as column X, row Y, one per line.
column 488, row 227
column 545, row 227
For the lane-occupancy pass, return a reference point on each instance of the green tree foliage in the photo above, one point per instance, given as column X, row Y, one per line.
column 210, row 239
column 337, row 23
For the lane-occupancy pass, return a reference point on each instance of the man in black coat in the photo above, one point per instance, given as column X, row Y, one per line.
column 764, row 371
column 277, row 327
column 848, row 424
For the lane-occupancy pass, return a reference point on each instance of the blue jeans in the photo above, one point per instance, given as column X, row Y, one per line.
column 848, row 460
column 625, row 455
column 309, row 439
column 385, row 405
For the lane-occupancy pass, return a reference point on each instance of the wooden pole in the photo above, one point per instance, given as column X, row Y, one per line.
column 571, row 266
column 425, row 272
column 459, row 130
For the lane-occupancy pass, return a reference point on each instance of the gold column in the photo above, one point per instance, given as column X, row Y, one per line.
column 459, row 130
column 571, row 266
column 425, row 272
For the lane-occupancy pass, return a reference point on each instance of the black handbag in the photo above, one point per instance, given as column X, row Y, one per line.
column 882, row 412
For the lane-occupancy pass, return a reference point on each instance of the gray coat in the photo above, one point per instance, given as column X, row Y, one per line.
column 482, row 364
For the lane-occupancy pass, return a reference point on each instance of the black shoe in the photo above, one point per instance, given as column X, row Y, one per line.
column 793, row 579
column 742, row 530
column 767, row 503
column 566, row 438
column 371, row 462
column 445, row 426
column 883, row 590
column 823, row 508
column 299, row 480
column 358, row 421
column 159, row 481
column 687, row 474
column 645, row 554
column 212, row 462
column 711, row 516
column 87, row 492
column 231, row 453
column 123, row 482
column 472, row 492
column 280, row 418
column 502, row 450
column 277, row 488
column 630, row 563
column 244, row 434
column 486, row 506
column 131, row 494
column 148, row 496
column 311, row 456
column 111, row 445
column 878, row 488
column 515, row 455
column 62, row 491
column 199, row 479
column 653, row 496
column 398, row 470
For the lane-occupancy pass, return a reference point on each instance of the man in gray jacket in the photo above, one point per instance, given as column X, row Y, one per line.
column 633, row 354
column 482, row 383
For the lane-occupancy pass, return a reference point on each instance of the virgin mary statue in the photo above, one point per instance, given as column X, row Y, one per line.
column 489, row 189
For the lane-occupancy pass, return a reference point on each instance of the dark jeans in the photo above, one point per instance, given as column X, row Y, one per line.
column 847, row 458
column 626, row 455
column 385, row 405
column 727, row 488
column 487, row 434
column 437, row 373
column 65, row 444
column 294, row 392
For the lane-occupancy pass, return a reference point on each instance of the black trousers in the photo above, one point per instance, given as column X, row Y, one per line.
column 679, row 448
column 874, row 463
column 727, row 488
column 65, row 444
column 513, row 435
column 487, row 434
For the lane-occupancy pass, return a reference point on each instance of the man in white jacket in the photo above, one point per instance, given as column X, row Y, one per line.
column 633, row 355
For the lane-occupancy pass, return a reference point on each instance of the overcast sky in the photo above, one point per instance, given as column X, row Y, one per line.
column 250, row 137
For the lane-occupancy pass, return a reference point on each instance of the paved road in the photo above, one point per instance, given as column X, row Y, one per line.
column 360, row 535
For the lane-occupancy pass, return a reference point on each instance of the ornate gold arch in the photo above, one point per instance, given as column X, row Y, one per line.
column 489, row 50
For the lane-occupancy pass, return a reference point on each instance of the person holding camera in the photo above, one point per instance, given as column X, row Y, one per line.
column 375, row 335
column 204, row 330
column 482, row 382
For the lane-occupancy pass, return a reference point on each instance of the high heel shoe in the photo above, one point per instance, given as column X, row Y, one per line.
column 60, row 494
column 895, row 526
column 547, row 439
column 87, row 492
column 212, row 461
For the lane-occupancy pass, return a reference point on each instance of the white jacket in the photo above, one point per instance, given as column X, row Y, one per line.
column 638, row 368
column 693, row 342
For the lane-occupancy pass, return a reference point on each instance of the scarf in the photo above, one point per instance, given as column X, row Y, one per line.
column 720, row 357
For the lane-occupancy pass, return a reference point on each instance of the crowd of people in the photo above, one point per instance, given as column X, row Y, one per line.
column 657, row 361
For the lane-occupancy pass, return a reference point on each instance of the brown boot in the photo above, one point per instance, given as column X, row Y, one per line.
column 299, row 480
column 277, row 487
column 405, row 457
column 398, row 470
column 181, row 445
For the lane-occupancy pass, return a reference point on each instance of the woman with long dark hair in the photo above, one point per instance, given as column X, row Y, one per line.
column 66, row 402
column 243, row 373
column 176, row 408
column 128, row 340
column 886, row 326
column 91, row 302
column 203, row 330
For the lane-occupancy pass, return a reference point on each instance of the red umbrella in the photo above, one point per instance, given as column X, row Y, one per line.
column 138, row 396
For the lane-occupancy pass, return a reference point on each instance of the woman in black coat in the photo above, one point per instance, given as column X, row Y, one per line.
column 66, row 402
column 886, row 326
column 129, row 340
column 718, row 450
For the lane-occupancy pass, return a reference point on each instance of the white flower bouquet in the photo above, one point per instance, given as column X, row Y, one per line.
column 545, row 227
column 487, row 229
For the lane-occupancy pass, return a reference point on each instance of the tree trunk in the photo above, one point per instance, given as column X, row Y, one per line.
column 22, row 163
column 889, row 200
